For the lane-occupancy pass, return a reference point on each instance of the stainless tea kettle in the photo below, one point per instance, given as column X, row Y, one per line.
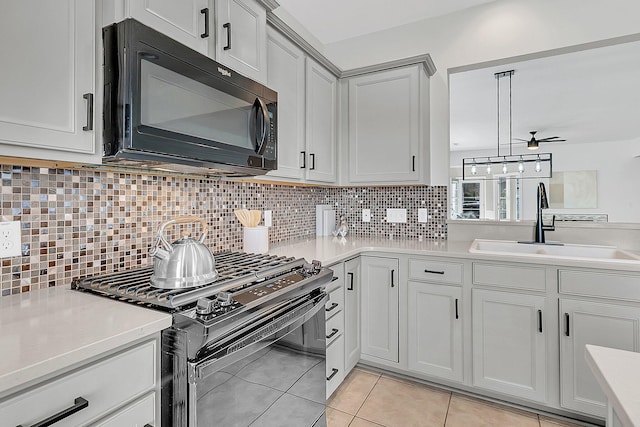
column 185, row 263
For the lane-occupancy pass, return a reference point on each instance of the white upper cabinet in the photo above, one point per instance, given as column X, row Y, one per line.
column 47, row 94
column 285, row 75
column 388, row 126
column 188, row 22
column 320, row 156
column 241, row 42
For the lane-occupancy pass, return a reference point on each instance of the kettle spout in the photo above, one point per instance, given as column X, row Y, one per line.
column 157, row 252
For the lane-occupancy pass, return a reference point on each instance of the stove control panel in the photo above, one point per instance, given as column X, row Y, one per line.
column 268, row 288
column 212, row 307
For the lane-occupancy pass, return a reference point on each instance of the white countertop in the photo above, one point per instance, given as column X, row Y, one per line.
column 47, row 330
column 617, row 372
column 330, row 250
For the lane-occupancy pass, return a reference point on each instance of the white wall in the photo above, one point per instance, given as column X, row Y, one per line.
column 489, row 32
column 618, row 176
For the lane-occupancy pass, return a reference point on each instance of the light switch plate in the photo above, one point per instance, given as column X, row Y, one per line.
column 396, row 215
column 268, row 218
column 10, row 239
column 366, row 215
column 423, row 215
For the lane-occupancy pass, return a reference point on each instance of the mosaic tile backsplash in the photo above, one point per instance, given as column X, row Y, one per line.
column 84, row 222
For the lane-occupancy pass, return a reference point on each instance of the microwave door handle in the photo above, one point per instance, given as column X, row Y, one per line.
column 266, row 126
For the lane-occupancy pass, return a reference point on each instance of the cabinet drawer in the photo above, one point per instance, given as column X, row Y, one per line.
column 435, row 271
column 510, row 276
column 597, row 284
column 105, row 385
column 335, row 304
column 139, row 413
column 335, row 364
column 336, row 323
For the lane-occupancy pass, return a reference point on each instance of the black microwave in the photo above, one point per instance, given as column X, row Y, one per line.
column 169, row 107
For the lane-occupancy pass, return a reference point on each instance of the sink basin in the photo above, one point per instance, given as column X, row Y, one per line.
column 568, row 251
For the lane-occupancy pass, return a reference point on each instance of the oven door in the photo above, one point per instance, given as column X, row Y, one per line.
column 271, row 374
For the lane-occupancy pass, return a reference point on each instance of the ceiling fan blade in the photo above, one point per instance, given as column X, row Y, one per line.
column 551, row 140
column 548, row 138
column 519, row 139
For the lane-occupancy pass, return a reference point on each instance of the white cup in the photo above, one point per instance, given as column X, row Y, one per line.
column 256, row 239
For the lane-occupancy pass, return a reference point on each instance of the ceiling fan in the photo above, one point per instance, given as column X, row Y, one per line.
column 533, row 143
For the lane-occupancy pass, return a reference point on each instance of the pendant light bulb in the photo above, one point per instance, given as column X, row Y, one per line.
column 521, row 166
column 488, row 169
column 538, row 165
column 504, row 167
column 474, row 169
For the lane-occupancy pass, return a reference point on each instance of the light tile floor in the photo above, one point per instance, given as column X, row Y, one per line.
column 369, row 399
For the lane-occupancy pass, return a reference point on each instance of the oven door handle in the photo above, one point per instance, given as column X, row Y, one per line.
column 257, row 340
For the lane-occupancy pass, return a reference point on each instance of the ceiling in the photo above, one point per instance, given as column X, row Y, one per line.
column 587, row 96
column 331, row 21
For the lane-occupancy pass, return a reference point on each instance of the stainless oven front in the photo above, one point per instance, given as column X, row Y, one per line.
column 268, row 373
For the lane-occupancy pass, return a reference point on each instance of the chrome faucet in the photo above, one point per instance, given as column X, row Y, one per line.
column 542, row 203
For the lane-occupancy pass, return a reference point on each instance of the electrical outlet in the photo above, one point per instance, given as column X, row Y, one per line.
column 397, row 215
column 10, row 239
column 268, row 218
column 366, row 215
column 423, row 215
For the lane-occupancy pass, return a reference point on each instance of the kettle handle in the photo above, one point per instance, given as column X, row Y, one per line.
column 188, row 219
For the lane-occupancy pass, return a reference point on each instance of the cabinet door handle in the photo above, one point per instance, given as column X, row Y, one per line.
column 333, row 332
column 392, row 282
column 434, row 271
column 313, row 161
column 333, row 307
column 350, row 287
column 228, row 27
column 78, row 404
column 413, row 163
column 540, row 321
column 304, row 159
column 457, row 316
column 205, row 11
column 334, row 371
column 89, row 98
column 566, row 324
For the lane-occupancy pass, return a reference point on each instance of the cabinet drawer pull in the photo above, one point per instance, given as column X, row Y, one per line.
column 205, row 11
column 313, row 162
column 78, row 404
column 566, row 324
column 350, row 287
column 540, row 321
column 392, row 282
column 434, row 272
column 457, row 317
column 334, row 371
column 333, row 306
column 89, row 98
column 304, row 160
column 413, row 163
column 228, row 27
column 333, row 332
column 148, row 425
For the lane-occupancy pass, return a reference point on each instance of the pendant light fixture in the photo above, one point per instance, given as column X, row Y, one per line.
column 509, row 163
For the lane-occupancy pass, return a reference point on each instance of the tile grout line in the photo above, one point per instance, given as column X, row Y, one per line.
column 365, row 399
column 446, row 415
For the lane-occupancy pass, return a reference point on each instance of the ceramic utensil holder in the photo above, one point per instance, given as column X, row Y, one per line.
column 256, row 239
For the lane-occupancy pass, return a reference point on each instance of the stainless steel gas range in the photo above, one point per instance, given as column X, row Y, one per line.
column 247, row 349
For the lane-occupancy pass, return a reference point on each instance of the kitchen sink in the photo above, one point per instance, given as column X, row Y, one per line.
column 552, row 250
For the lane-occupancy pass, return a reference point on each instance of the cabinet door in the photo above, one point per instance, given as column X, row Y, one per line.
column 285, row 75
column 48, row 78
column 379, row 289
column 352, row 313
column 321, row 123
column 384, row 126
column 435, row 330
column 242, row 37
column 509, row 345
column 600, row 324
column 184, row 21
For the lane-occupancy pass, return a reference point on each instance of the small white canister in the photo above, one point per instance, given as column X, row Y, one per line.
column 256, row 239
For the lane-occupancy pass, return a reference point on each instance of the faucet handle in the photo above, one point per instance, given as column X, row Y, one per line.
column 551, row 227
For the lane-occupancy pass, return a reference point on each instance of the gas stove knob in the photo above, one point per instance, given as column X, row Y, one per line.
column 224, row 299
column 206, row 306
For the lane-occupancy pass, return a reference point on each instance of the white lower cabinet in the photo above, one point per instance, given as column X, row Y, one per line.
column 435, row 330
column 509, row 345
column 352, row 313
column 334, row 329
column 98, row 391
column 585, row 322
column 380, row 297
